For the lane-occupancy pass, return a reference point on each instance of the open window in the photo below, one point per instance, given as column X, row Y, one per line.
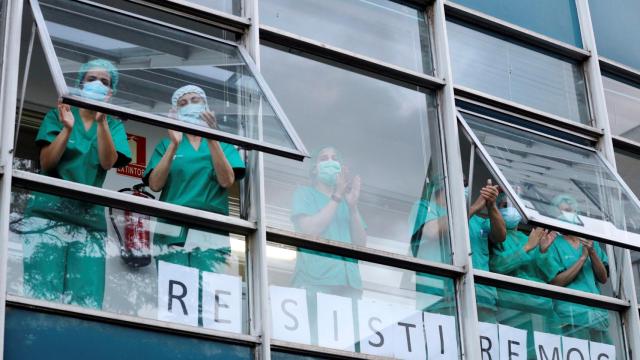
column 555, row 183
column 153, row 60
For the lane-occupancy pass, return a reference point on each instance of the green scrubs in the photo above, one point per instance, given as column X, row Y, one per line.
column 429, row 287
column 479, row 229
column 192, row 182
column 523, row 311
column 575, row 319
column 64, row 238
column 320, row 272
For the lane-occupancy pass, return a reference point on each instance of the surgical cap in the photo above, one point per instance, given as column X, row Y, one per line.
column 187, row 89
column 565, row 198
column 99, row 64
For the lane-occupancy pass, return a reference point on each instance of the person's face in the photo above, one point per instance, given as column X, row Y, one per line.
column 324, row 155
column 564, row 206
column 98, row 74
column 189, row 98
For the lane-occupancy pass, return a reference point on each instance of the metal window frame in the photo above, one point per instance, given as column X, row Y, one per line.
column 524, row 211
column 299, row 153
column 130, row 321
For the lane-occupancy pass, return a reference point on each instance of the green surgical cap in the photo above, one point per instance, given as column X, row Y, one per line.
column 565, row 198
column 99, row 64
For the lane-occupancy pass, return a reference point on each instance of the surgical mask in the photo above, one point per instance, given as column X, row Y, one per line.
column 511, row 217
column 191, row 113
column 570, row 216
column 328, row 172
column 95, row 90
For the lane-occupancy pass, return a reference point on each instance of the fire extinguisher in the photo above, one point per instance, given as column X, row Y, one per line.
column 135, row 245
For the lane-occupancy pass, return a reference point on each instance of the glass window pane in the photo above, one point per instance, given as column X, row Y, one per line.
column 353, row 305
column 615, row 28
column 555, row 18
column 382, row 137
column 557, row 324
column 502, row 242
column 150, row 68
column 69, row 251
column 232, row 7
column 628, row 165
column 623, row 106
column 490, row 63
column 380, row 29
column 558, row 184
column 35, row 335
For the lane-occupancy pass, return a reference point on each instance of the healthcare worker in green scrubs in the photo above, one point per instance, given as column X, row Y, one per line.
column 194, row 172
column 519, row 256
column 482, row 232
column 64, row 249
column 578, row 264
column 328, row 209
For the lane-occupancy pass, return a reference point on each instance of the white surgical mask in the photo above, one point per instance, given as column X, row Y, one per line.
column 570, row 217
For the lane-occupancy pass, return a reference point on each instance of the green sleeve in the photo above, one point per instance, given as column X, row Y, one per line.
column 158, row 152
column 550, row 263
column 49, row 129
column 121, row 143
column 235, row 160
column 506, row 259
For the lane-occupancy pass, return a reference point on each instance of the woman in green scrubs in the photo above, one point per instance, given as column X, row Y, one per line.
column 64, row 249
column 578, row 264
column 328, row 209
column 194, row 172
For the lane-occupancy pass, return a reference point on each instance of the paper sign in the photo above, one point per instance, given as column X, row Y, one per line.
column 442, row 342
column 335, row 322
column 222, row 302
column 547, row 346
column 489, row 344
column 376, row 322
column 289, row 314
column 408, row 334
column 575, row 349
column 513, row 343
column 177, row 293
column 601, row 351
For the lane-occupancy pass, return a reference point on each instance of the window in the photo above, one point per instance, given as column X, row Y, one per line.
column 387, row 139
column 623, row 104
column 557, row 19
column 233, row 7
column 380, row 29
column 376, row 309
column 613, row 27
column 556, row 184
column 152, row 60
column 535, row 327
column 64, row 250
column 38, row 335
column 490, row 63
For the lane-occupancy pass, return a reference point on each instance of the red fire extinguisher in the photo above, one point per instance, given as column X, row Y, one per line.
column 135, row 245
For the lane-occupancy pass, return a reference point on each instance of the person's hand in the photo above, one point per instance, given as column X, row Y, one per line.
column 585, row 252
column 588, row 244
column 66, row 116
column 210, row 118
column 547, row 240
column 490, row 194
column 534, row 238
column 342, row 181
column 353, row 195
column 175, row 136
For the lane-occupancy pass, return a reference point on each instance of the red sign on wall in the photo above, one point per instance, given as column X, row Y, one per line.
column 138, row 164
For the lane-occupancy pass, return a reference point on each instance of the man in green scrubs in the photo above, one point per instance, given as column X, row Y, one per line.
column 482, row 231
column 328, row 209
column 194, row 172
column 578, row 264
column 64, row 256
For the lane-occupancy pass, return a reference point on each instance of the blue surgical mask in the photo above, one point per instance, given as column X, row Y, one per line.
column 192, row 113
column 328, row 171
column 570, row 217
column 511, row 217
column 95, row 90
